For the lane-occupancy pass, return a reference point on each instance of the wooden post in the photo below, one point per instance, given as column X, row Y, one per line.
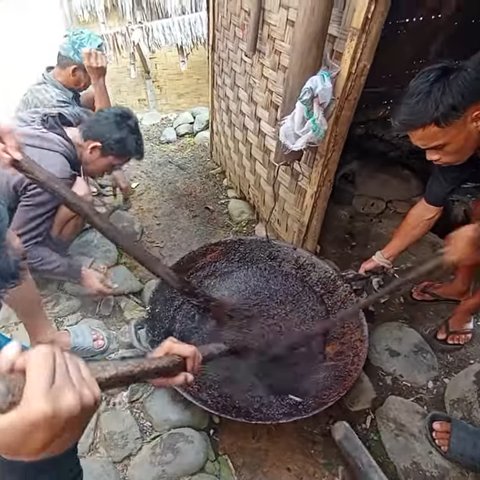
column 366, row 28
column 211, row 66
column 306, row 57
column 253, row 26
column 357, row 456
column 306, row 53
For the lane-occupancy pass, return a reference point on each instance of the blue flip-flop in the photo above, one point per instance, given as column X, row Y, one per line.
column 81, row 342
column 464, row 448
column 5, row 340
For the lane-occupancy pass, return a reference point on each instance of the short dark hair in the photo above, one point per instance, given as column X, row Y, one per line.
column 118, row 131
column 439, row 95
column 65, row 62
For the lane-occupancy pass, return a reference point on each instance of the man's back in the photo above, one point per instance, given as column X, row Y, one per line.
column 32, row 209
column 49, row 95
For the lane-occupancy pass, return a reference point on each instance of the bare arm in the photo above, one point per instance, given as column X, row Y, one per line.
column 96, row 65
column 98, row 97
column 417, row 223
column 26, row 302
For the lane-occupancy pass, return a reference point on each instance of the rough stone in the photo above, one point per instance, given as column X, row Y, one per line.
column 401, row 426
column 169, row 135
column 199, row 111
column 86, row 442
column 203, row 476
column 99, row 469
column 212, row 468
column 203, row 138
column 127, row 223
column 46, row 286
column 60, row 305
column 72, row 320
column 148, row 291
column 462, row 395
column 261, row 230
column 176, row 454
column 361, row 396
column 369, row 205
column 184, row 130
column 124, row 281
column 138, row 391
column 227, row 471
column 231, row 193
column 401, row 351
column 201, row 122
column 151, row 118
column 86, row 262
column 185, row 118
column 105, row 307
column 75, row 289
column 240, row 211
column 120, row 434
column 131, row 310
column 167, row 410
column 93, row 244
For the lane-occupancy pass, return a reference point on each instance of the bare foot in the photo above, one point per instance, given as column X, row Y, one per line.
column 431, row 291
column 459, row 322
column 62, row 339
column 441, row 434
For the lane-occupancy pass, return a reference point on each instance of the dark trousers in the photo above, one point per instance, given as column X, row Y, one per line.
column 64, row 467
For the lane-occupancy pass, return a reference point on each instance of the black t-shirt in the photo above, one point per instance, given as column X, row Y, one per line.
column 445, row 180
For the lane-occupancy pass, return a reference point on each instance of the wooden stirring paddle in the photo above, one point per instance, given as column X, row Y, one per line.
column 115, row 373
column 220, row 310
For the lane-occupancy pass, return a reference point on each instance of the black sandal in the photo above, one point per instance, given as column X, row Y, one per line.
column 435, row 297
column 464, row 448
column 443, row 344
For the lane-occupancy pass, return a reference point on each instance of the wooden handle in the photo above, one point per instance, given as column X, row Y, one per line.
column 254, row 26
column 135, row 249
column 357, row 456
column 113, row 374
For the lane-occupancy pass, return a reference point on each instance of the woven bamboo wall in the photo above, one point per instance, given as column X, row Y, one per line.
column 247, row 96
column 174, row 89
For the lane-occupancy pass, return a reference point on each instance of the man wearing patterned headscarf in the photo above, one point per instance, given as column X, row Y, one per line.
column 74, row 87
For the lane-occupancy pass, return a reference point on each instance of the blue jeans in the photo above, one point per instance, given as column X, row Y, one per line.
column 64, row 467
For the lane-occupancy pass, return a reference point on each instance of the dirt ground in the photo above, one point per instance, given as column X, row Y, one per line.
column 182, row 204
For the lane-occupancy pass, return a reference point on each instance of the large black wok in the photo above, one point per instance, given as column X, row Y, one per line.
column 292, row 291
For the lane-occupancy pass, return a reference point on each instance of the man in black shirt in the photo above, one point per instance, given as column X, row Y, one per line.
column 440, row 112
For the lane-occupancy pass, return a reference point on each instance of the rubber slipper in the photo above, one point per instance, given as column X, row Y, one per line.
column 464, row 448
column 138, row 335
column 81, row 339
column 443, row 345
column 435, row 297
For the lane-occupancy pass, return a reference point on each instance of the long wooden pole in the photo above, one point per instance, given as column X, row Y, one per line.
column 254, row 26
column 357, row 456
column 218, row 308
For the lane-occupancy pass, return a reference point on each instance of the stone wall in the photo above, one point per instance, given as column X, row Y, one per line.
column 174, row 89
